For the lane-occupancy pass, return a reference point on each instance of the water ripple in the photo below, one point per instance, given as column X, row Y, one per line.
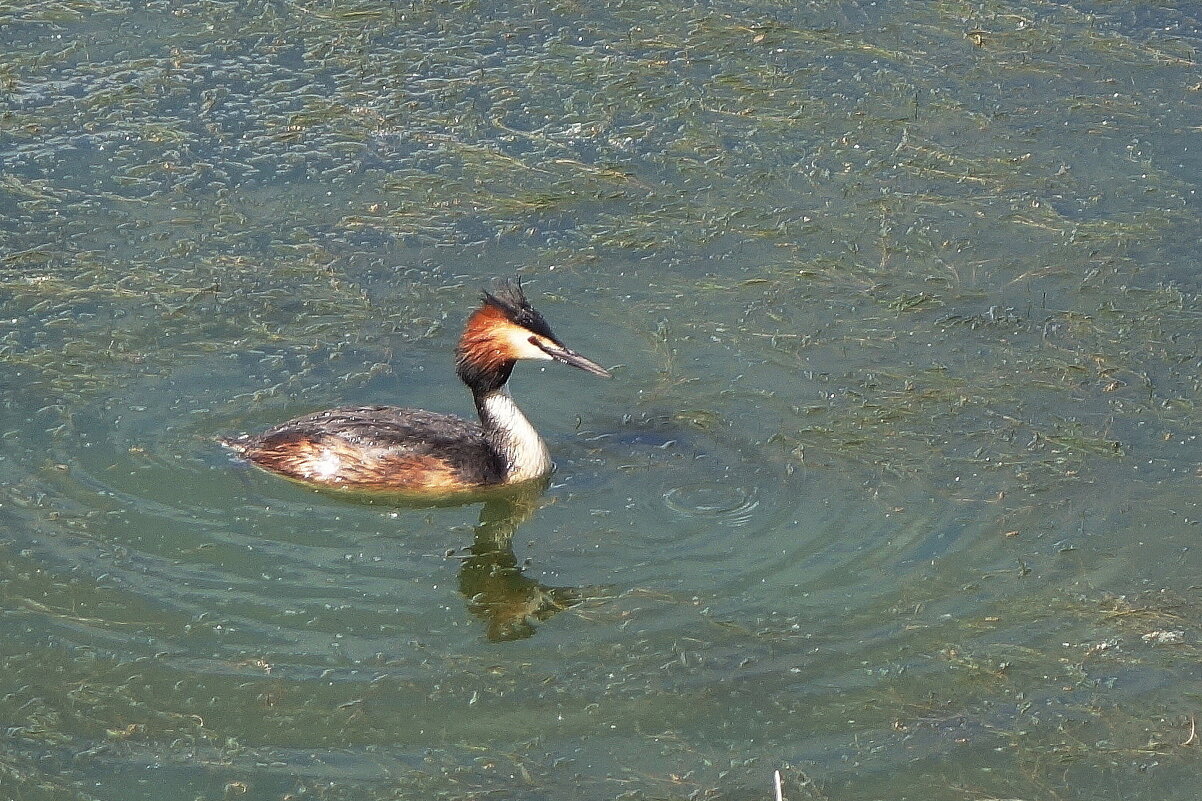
column 724, row 504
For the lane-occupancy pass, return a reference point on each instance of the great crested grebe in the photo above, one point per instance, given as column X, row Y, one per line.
column 411, row 450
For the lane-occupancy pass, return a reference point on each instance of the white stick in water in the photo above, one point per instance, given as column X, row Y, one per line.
column 776, row 785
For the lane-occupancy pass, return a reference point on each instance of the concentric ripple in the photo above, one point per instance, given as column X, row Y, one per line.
column 725, row 504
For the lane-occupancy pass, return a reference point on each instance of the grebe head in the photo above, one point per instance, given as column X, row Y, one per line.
column 503, row 330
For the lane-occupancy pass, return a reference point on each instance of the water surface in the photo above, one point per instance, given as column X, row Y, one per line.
column 895, row 491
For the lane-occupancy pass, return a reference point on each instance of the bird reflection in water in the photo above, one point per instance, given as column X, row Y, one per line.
column 491, row 580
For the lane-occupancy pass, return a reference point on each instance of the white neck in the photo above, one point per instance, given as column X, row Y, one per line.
column 525, row 453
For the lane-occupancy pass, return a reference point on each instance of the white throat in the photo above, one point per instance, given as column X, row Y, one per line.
column 525, row 453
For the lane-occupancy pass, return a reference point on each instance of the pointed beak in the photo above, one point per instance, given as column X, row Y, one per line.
column 562, row 354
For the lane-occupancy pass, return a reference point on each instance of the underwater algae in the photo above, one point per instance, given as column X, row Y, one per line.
column 937, row 256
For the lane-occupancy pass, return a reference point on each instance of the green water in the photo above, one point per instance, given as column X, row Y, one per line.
column 896, row 489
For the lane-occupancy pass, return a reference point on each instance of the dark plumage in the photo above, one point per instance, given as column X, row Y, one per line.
column 377, row 447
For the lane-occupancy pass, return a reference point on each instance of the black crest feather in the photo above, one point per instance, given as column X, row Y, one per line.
column 507, row 295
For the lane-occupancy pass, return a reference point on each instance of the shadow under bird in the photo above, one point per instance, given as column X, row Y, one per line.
column 414, row 451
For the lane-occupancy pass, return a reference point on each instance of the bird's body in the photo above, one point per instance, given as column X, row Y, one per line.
column 412, row 450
